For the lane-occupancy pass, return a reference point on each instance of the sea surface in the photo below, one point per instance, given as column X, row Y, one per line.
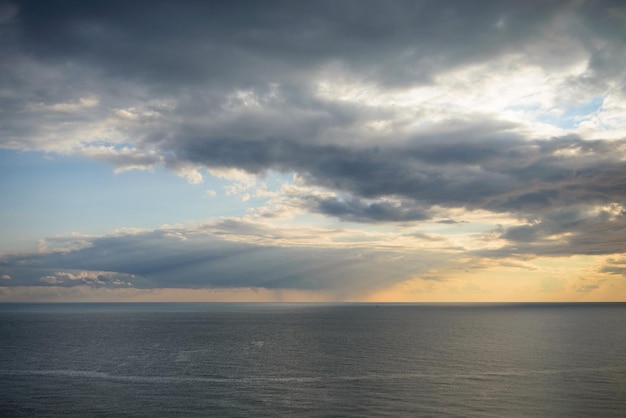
column 340, row 360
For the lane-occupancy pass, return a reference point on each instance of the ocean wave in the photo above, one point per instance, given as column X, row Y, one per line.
column 89, row 374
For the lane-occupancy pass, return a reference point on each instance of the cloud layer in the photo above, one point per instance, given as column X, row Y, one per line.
column 386, row 113
column 226, row 254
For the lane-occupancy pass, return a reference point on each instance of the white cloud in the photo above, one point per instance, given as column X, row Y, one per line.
column 123, row 158
column 192, row 175
column 609, row 122
column 91, row 278
column 83, row 103
column 50, row 279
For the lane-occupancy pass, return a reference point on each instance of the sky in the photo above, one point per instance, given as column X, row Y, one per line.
column 377, row 151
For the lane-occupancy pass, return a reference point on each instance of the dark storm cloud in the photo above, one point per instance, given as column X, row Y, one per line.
column 244, row 42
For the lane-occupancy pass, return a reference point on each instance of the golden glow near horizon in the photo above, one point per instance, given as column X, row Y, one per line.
column 561, row 279
column 555, row 279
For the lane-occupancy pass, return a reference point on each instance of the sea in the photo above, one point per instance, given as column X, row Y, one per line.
column 312, row 360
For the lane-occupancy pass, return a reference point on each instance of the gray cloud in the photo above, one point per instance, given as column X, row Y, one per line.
column 615, row 266
column 395, row 42
column 192, row 259
column 513, row 174
column 360, row 211
column 582, row 229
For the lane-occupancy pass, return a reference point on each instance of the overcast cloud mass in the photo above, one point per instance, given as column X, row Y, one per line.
column 356, row 150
